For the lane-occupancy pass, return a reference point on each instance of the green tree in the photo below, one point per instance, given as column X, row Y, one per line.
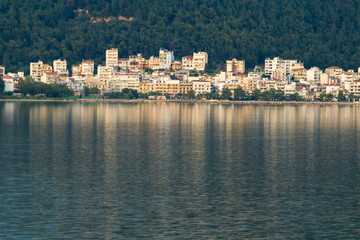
column 341, row 96
column 323, row 97
column 2, row 85
column 27, row 86
column 239, row 94
column 256, row 94
column 330, row 96
column 86, row 91
column 226, row 93
column 191, row 94
column 296, row 97
column 352, row 97
column 94, row 90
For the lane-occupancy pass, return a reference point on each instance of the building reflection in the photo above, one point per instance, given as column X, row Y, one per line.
column 161, row 167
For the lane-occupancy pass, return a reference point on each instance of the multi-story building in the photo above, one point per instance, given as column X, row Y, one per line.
column 146, row 86
column 248, row 84
column 313, row 75
column 236, row 66
column 172, row 87
column 200, row 60
column 290, row 88
column 255, row 77
column 154, row 63
column 2, row 70
column 9, row 83
column 279, row 74
column 201, row 87
column 346, row 78
column 334, row 71
column 324, row 78
column 60, row 66
column 160, row 84
column 47, row 68
column 134, row 62
column 76, row 85
column 176, row 65
column 165, row 58
column 355, row 87
column 298, row 65
column 119, row 81
column 272, row 64
column 112, row 57
column 87, row 67
column 300, row 74
column 187, row 62
column 75, row 70
column 144, row 63
column 50, row 77
column 185, row 87
column 36, row 70
column 105, row 74
column 123, row 63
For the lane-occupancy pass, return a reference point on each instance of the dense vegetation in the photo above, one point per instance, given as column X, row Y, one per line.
column 320, row 33
column 29, row 86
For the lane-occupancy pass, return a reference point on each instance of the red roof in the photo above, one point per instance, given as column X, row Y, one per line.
column 123, row 59
column 88, row 61
column 7, row 77
column 188, row 56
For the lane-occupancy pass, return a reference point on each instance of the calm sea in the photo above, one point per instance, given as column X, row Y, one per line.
column 179, row 170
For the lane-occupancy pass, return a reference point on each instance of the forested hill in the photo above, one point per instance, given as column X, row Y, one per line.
column 319, row 32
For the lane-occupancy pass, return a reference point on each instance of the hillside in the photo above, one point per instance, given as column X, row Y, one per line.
column 320, row 33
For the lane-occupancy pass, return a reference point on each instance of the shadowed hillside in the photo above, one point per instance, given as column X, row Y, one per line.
column 320, row 33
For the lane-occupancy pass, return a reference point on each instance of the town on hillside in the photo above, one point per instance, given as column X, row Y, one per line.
column 171, row 79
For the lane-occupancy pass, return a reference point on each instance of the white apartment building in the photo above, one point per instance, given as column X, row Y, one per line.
column 112, row 57
column 87, row 67
column 200, row 60
column 333, row 89
column 154, row 63
column 324, row 78
column 165, row 58
column 334, row 71
column 119, row 81
column 290, row 88
column 50, row 77
column 234, row 65
column 105, row 74
column 255, row 75
column 36, row 70
column 355, row 87
column 9, row 83
column 279, row 74
column 123, row 63
column 187, row 62
column 272, row 64
column 201, row 87
column 76, row 84
column 60, row 66
column 313, row 75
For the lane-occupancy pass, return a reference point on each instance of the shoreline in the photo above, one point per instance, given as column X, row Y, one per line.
column 228, row 102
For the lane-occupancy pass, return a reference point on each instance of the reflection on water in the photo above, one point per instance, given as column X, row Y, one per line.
column 172, row 170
